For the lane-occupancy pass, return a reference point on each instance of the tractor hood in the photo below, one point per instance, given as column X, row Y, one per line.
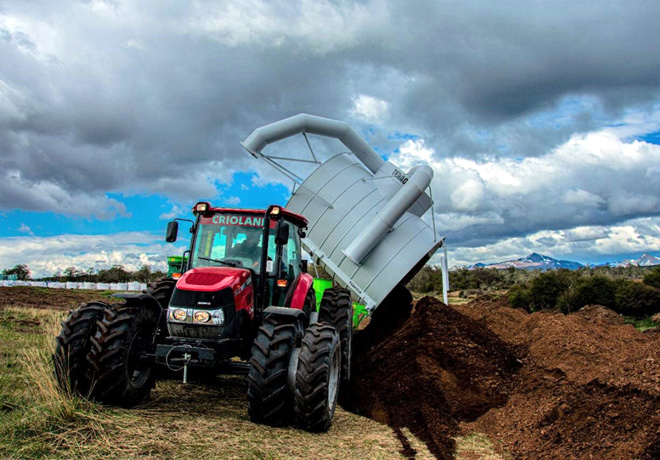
column 211, row 279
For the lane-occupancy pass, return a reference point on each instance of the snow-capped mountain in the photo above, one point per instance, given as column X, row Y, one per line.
column 646, row 260
column 533, row 261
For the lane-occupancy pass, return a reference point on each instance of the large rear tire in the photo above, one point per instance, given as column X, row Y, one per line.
column 72, row 345
column 121, row 375
column 337, row 309
column 162, row 290
column 270, row 401
column 317, row 378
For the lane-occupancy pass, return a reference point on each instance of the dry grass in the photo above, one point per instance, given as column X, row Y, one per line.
column 477, row 446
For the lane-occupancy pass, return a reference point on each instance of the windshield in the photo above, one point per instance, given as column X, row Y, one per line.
column 229, row 240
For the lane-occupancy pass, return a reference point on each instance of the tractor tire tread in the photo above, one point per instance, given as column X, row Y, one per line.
column 269, row 399
column 72, row 345
column 337, row 309
column 314, row 367
column 108, row 356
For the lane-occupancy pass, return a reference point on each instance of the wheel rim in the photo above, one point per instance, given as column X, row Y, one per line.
column 137, row 370
column 334, row 378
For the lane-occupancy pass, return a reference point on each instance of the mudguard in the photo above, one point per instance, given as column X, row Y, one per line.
column 296, row 296
column 290, row 316
column 140, row 300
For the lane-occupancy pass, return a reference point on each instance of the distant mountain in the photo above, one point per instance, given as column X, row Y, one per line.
column 646, row 260
column 533, row 261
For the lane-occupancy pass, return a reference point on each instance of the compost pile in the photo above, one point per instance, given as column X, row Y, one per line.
column 539, row 385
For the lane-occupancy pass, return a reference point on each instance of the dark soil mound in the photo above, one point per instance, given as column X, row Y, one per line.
column 439, row 368
column 600, row 315
column 589, row 387
column 541, row 385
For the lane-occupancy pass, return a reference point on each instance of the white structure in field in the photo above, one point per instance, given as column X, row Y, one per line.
column 365, row 225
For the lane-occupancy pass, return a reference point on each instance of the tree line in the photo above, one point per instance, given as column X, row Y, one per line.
column 115, row 274
column 631, row 291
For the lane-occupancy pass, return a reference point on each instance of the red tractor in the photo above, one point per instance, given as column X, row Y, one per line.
column 243, row 305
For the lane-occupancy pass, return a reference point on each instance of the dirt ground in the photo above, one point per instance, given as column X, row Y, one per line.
column 50, row 299
column 539, row 385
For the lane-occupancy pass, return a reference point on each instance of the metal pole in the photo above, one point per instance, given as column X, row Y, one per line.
column 445, row 274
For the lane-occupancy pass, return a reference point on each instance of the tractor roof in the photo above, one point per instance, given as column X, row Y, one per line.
column 292, row 216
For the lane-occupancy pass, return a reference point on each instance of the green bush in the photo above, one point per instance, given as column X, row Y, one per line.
column 653, row 278
column 520, row 297
column 636, row 299
column 598, row 290
column 546, row 288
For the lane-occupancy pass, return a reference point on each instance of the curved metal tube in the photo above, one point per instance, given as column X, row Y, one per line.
column 388, row 216
column 304, row 123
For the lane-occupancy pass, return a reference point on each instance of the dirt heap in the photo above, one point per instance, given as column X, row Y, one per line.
column 439, row 368
column 540, row 385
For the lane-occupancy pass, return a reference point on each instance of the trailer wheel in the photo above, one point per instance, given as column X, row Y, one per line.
column 270, row 401
column 317, row 378
column 72, row 345
column 337, row 309
column 120, row 372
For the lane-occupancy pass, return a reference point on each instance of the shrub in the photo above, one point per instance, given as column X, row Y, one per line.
column 637, row 299
column 546, row 289
column 520, row 297
column 653, row 278
column 598, row 290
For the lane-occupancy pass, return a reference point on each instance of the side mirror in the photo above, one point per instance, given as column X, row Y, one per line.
column 281, row 233
column 303, row 265
column 172, row 231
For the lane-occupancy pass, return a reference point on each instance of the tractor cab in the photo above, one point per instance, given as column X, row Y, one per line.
column 240, row 261
column 267, row 243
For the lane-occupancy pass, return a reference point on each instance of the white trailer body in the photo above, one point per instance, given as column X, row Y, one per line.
column 365, row 215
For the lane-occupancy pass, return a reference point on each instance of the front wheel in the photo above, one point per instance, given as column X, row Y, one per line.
column 317, row 378
column 120, row 372
column 270, row 400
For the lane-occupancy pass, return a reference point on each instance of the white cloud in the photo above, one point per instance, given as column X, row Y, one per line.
column 592, row 179
column 46, row 255
column 317, row 26
column 25, row 229
column 232, row 200
column 370, row 108
column 581, row 243
column 176, row 211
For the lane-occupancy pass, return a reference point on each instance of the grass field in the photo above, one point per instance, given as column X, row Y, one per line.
column 179, row 421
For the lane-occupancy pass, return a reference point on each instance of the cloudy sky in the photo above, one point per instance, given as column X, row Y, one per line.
column 540, row 119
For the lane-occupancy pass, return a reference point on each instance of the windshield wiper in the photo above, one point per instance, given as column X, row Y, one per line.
column 230, row 264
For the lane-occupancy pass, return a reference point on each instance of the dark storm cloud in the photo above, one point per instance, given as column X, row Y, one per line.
column 153, row 97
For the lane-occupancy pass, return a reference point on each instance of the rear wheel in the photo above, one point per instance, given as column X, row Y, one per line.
column 162, row 291
column 337, row 309
column 317, row 378
column 270, row 400
column 120, row 372
column 73, row 344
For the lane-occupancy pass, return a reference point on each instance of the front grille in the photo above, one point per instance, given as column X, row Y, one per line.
column 206, row 300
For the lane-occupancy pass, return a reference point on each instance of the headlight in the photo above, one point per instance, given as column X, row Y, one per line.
column 218, row 317
column 201, row 316
column 179, row 314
